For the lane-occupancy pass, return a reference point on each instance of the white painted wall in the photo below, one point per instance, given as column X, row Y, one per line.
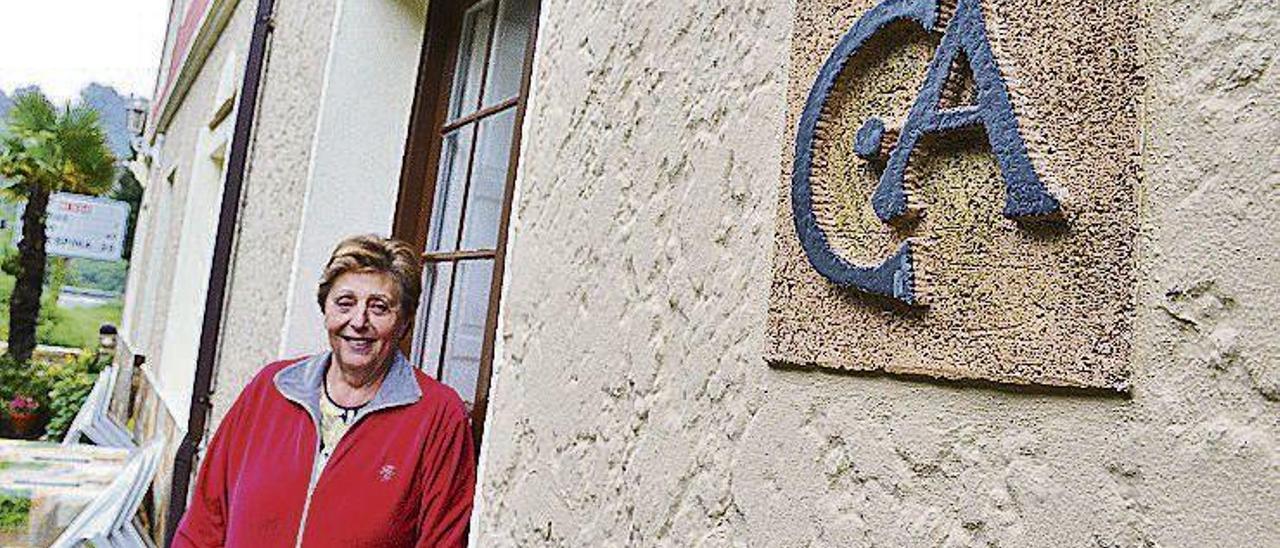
column 355, row 161
column 134, row 285
column 175, row 370
column 153, row 224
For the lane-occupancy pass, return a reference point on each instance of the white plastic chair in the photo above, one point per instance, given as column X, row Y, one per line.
column 108, row 520
column 93, row 422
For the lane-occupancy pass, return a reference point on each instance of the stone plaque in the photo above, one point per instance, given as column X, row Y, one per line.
column 958, row 192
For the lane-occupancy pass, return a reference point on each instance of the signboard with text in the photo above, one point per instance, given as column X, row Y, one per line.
column 83, row 227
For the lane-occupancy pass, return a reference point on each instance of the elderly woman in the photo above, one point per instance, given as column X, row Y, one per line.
column 350, row 447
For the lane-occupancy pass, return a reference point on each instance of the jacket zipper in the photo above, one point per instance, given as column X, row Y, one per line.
column 317, row 468
column 311, row 483
column 306, row 506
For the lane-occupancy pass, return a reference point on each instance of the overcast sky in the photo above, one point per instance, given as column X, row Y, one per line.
column 61, row 45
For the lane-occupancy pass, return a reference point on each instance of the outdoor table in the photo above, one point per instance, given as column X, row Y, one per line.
column 43, row 486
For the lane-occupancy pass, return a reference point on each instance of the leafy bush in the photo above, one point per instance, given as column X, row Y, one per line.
column 18, row 379
column 60, row 386
column 9, row 263
column 51, row 317
column 69, row 387
column 15, row 510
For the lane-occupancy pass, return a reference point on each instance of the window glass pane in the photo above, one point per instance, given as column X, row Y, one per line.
column 451, row 183
column 488, row 181
column 468, row 313
column 465, row 93
column 506, row 59
column 436, row 278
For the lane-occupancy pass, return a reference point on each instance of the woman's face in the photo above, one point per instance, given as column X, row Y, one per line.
column 363, row 317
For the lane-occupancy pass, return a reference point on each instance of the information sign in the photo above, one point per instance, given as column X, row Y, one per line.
column 84, row 227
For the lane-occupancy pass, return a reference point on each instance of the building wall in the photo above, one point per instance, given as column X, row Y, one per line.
column 295, row 165
column 354, row 174
column 163, row 399
column 153, row 420
column 161, row 221
column 273, row 196
column 631, row 405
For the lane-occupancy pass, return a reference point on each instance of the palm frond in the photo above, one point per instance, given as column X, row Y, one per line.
column 58, row 149
column 31, row 112
column 90, row 164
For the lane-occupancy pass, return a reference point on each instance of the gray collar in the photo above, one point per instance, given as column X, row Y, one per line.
column 302, row 383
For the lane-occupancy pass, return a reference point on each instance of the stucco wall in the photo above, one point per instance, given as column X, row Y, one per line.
column 631, row 404
column 354, row 175
column 152, row 281
column 272, row 198
column 1001, row 300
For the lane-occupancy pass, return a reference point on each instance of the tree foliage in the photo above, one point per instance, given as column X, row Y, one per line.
column 46, row 149
column 128, row 190
column 54, row 149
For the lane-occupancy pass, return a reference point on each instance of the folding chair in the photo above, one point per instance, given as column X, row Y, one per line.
column 93, row 422
column 108, row 520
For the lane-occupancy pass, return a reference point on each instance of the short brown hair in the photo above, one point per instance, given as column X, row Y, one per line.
column 373, row 253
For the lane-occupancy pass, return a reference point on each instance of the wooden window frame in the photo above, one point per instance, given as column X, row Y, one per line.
column 428, row 124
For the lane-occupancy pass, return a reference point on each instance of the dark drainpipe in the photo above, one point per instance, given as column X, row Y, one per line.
column 213, row 303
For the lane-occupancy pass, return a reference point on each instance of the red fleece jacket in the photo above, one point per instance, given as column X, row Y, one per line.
column 403, row 475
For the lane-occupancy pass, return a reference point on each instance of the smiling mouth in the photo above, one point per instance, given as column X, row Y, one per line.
column 359, row 343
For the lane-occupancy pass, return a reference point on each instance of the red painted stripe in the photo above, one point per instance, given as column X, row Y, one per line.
column 196, row 11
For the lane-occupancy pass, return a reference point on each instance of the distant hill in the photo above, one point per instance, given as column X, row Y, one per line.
column 5, row 104
column 113, row 111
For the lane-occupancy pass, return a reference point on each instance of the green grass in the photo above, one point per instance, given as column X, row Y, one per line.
column 74, row 327
column 78, row 327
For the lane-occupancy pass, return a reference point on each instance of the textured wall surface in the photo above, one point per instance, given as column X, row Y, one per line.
column 1048, row 304
column 164, row 202
column 630, row 401
column 272, row 200
column 359, row 144
column 151, row 278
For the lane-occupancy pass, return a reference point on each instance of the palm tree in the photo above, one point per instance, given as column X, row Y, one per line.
column 46, row 150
